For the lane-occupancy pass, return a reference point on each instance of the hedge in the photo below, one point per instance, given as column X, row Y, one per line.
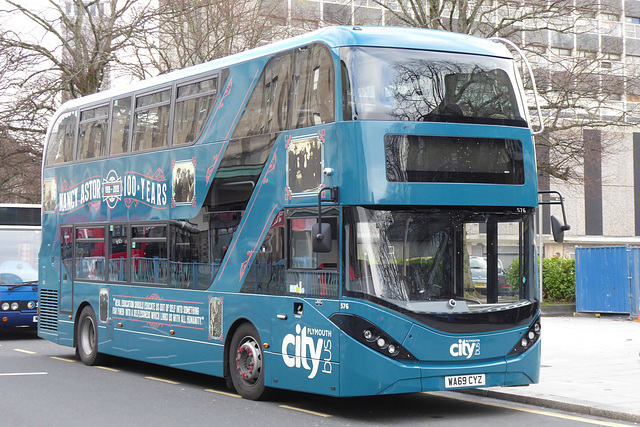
column 559, row 279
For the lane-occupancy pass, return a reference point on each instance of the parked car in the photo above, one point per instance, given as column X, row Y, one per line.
column 478, row 273
column 479, row 276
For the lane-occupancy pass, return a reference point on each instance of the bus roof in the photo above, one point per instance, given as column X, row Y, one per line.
column 334, row 37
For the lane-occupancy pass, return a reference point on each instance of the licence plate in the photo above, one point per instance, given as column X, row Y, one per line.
column 35, row 319
column 464, row 381
column 480, row 285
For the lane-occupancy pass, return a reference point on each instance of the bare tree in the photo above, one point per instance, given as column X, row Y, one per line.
column 191, row 32
column 91, row 40
column 85, row 38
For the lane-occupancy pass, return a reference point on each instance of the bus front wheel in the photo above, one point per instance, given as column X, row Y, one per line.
column 246, row 363
column 87, row 337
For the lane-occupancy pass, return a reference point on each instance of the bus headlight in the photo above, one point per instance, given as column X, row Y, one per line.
column 5, row 306
column 392, row 349
column 31, row 305
column 528, row 339
column 14, row 306
column 370, row 335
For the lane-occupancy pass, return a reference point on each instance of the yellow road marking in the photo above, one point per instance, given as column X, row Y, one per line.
column 24, row 351
column 162, row 380
column 63, row 359
column 319, row 414
column 108, row 369
column 534, row 411
column 223, row 393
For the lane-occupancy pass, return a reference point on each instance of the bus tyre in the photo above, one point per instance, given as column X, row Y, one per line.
column 87, row 337
column 246, row 363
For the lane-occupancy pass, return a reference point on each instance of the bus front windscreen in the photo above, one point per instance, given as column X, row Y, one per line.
column 421, row 260
column 417, row 85
column 19, row 256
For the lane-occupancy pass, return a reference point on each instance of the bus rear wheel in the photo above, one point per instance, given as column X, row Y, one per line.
column 246, row 363
column 87, row 337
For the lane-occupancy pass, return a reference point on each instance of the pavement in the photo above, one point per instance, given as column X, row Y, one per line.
column 590, row 365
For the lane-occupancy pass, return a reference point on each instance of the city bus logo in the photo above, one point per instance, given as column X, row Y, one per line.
column 112, row 189
column 306, row 349
column 465, row 348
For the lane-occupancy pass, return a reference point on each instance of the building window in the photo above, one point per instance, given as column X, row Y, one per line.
column 632, row 27
column 559, row 51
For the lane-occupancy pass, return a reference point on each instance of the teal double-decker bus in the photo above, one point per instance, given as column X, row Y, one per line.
column 347, row 212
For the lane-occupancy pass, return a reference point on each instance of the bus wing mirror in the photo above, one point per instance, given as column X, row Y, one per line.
column 320, row 231
column 321, row 235
column 558, row 229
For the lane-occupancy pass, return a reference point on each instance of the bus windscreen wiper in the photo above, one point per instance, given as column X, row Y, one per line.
column 29, row 283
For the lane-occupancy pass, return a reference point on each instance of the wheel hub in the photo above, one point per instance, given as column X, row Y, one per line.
column 249, row 361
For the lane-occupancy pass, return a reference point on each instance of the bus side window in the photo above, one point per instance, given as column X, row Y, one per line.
column 120, row 125
column 61, row 142
column 266, row 275
column 194, row 104
column 118, row 242
column 89, row 260
column 189, row 266
column 151, row 122
column 301, row 254
column 309, row 273
column 313, row 92
column 267, row 108
column 92, row 133
column 149, row 254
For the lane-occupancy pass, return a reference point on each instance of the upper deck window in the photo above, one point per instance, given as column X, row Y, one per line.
column 120, row 125
column 414, row 85
column 61, row 141
column 193, row 108
column 92, row 132
column 294, row 91
column 151, row 121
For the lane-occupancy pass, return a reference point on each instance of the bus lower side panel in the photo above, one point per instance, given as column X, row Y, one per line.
column 202, row 357
column 343, row 367
column 196, row 356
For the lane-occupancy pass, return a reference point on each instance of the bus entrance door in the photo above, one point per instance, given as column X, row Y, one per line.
column 66, row 269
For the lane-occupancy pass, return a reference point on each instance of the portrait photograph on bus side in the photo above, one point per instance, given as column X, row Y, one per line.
column 49, row 195
column 305, row 164
column 183, row 182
